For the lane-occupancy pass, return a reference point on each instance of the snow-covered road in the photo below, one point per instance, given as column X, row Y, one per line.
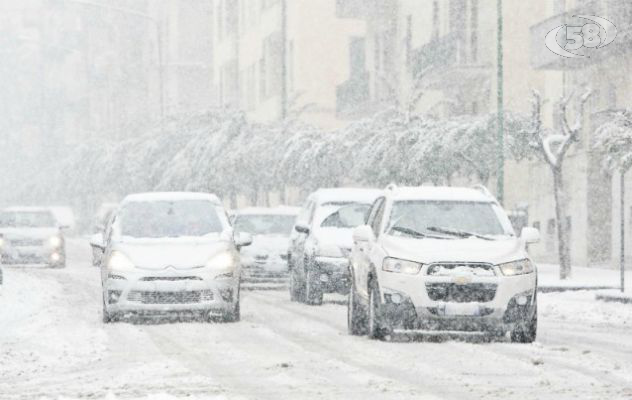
column 54, row 346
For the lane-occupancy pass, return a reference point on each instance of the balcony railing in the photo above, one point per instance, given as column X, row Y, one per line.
column 439, row 53
column 352, row 95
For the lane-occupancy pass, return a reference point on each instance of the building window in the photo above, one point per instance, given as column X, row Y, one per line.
column 357, row 55
column 263, row 88
column 409, row 39
column 290, row 66
column 435, row 19
column 474, row 31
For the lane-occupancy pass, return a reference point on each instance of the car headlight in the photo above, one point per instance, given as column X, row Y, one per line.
column 519, row 267
column 222, row 264
column 1, row 242
column 401, row 266
column 119, row 262
column 54, row 241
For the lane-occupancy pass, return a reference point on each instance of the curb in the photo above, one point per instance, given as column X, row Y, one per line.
column 553, row 289
column 614, row 299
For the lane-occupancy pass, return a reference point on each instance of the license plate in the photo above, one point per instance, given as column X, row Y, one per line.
column 462, row 309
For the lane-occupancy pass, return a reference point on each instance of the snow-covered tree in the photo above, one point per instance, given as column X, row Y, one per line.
column 553, row 148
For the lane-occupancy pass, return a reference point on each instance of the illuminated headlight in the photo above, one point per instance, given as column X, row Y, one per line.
column 55, row 257
column 1, row 242
column 401, row 266
column 119, row 262
column 520, row 267
column 54, row 241
column 222, row 264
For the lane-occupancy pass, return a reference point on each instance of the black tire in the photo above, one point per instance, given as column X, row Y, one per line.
column 297, row 287
column 356, row 315
column 375, row 328
column 313, row 289
column 527, row 331
column 235, row 314
column 106, row 316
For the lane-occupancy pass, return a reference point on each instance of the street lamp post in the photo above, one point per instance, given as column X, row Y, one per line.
column 500, row 188
column 622, row 227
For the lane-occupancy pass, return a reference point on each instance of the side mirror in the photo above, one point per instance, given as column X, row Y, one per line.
column 301, row 228
column 242, row 239
column 530, row 235
column 363, row 233
column 97, row 241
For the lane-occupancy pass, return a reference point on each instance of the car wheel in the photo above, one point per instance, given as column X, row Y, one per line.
column 375, row 327
column 107, row 317
column 313, row 290
column 356, row 315
column 527, row 331
column 235, row 314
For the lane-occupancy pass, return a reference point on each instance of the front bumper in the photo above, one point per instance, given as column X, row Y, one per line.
column 33, row 255
column 416, row 307
column 333, row 273
column 156, row 292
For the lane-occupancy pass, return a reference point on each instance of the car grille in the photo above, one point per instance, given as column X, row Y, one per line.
column 170, row 278
column 27, row 242
column 450, row 269
column 184, row 297
column 452, row 292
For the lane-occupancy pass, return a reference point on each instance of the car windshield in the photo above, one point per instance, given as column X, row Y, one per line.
column 348, row 216
column 450, row 218
column 265, row 224
column 27, row 219
column 157, row 219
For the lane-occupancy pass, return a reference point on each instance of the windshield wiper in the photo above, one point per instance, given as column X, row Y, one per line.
column 457, row 232
column 412, row 232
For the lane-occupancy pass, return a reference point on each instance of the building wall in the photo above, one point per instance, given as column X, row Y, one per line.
column 249, row 57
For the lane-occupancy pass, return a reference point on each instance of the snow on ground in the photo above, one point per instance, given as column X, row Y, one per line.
column 53, row 346
column 549, row 276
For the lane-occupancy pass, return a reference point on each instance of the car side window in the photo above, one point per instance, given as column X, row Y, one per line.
column 378, row 219
column 376, row 215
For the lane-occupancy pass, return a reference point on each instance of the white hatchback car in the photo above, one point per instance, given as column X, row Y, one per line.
column 170, row 252
column 441, row 259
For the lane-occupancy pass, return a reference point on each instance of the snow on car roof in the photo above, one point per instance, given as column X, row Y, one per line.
column 27, row 209
column 171, row 196
column 280, row 210
column 359, row 195
column 440, row 193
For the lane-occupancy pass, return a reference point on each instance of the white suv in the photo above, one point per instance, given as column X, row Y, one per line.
column 441, row 259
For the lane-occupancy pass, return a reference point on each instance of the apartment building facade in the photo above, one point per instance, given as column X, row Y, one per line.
column 273, row 57
column 448, row 51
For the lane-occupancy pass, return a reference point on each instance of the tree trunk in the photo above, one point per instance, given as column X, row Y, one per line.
column 563, row 244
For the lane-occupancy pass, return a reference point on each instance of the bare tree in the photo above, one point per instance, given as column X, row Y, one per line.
column 553, row 148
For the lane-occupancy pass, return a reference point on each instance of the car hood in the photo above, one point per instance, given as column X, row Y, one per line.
column 458, row 250
column 28, row 233
column 267, row 244
column 159, row 254
column 341, row 237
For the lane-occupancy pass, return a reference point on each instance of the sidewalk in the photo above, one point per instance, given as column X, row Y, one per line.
column 582, row 278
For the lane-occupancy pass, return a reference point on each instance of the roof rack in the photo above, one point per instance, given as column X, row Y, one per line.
column 483, row 190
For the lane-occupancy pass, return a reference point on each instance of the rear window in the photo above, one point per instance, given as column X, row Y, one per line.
column 27, row 219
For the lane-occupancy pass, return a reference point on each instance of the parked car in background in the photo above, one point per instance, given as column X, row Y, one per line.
column 437, row 259
column 101, row 221
column 321, row 242
column 264, row 263
column 32, row 236
column 171, row 252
